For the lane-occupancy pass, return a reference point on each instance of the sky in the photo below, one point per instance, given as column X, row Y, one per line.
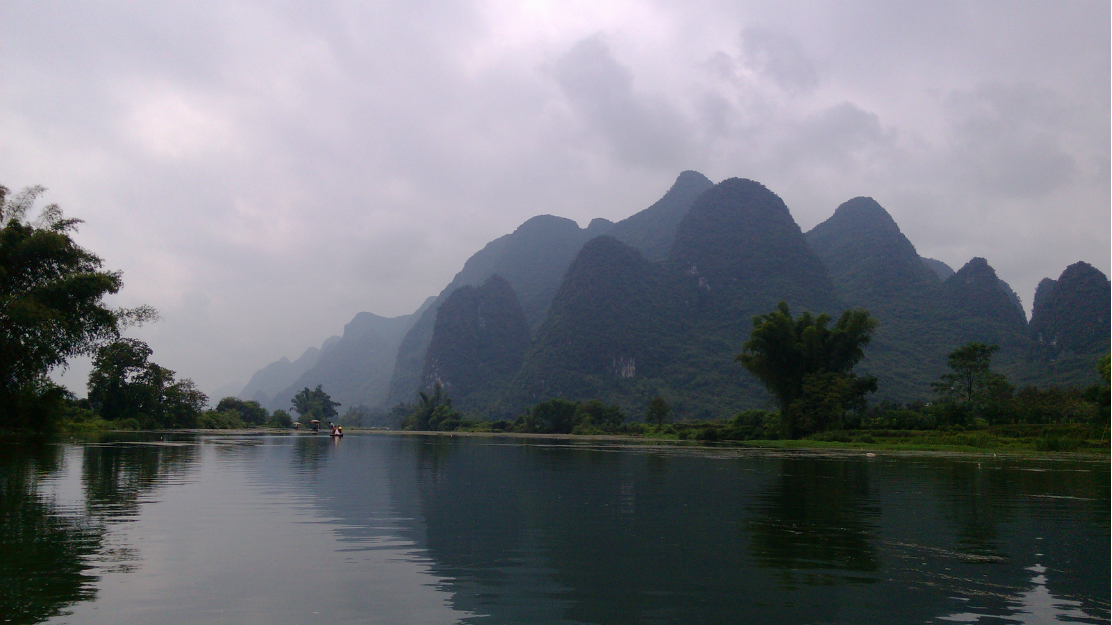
column 262, row 171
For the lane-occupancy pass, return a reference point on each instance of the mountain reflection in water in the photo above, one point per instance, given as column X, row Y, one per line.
column 400, row 529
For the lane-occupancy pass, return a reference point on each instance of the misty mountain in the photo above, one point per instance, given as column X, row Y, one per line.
column 613, row 318
column 623, row 329
column 534, row 259
column 1071, row 313
column 607, row 330
column 356, row 370
column 940, row 269
column 479, row 339
column 1070, row 326
column 277, row 376
column 653, row 230
column 871, row 262
column 875, row 267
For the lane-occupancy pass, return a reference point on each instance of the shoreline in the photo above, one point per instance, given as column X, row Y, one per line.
column 630, row 440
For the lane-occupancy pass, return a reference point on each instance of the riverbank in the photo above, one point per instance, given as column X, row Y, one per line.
column 1023, row 440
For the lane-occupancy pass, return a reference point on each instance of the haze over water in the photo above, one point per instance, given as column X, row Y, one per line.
column 407, row 529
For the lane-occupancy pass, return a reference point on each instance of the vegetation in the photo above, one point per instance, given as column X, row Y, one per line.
column 808, row 366
column 125, row 386
column 51, row 308
column 315, row 404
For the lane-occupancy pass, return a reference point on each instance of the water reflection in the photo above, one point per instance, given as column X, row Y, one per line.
column 817, row 518
column 397, row 529
column 44, row 551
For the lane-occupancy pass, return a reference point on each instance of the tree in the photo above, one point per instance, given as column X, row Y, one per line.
column 124, row 384
column 659, row 412
column 802, row 357
column 51, row 300
column 315, row 404
column 251, row 412
column 970, row 382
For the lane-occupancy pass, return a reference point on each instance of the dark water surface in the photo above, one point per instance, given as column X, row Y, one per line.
column 413, row 529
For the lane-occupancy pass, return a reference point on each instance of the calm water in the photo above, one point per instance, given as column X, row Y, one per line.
column 398, row 529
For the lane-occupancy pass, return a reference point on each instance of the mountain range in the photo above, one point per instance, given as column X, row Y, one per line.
column 661, row 302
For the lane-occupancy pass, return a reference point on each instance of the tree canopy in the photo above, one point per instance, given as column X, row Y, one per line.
column 315, row 404
column 51, row 298
column 124, row 384
column 807, row 365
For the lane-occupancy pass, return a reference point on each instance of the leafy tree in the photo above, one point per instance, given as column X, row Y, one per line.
column 124, row 384
column 595, row 414
column 51, row 301
column 798, row 357
column 315, row 404
column 250, row 411
column 555, row 416
column 970, row 383
column 280, row 419
column 659, row 412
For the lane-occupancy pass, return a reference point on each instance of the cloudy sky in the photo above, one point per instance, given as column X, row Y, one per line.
column 261, row 171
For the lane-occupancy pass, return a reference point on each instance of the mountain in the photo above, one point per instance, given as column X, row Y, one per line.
column 870, row 261
column 874, row 266
column 532, row 259
column 356, row 370
column 277, row 376
column 940, row 269
column 606, row 330
column 1069, row 327
column 480, row 336
column 653, row 230
column 623, row 330
column 1071, row 313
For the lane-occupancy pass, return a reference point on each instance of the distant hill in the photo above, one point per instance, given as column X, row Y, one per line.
column 870, row 260
column 277, row 376
column 875, row 267
column 354, row 368
column 1069, row 327
column 479, row 339
column 661, row 303
column 653, row 230
column 623, row 330
column 606, row 331
column 533, row 259
column 940, row 269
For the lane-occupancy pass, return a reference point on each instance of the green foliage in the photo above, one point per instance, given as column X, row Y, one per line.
column 51, row 306
column 216, row 420
column 555, row 416
column 125, row 385
column 972, row 390
column 280, row 419
column 314, row 404
column 250, row 411
column 807, row 366
column 658, row 412
column 561, row 416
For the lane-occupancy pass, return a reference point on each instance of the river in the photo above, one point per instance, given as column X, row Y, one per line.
column 200, row 528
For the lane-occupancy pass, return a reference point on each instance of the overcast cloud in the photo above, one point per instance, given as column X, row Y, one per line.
column 262, row 171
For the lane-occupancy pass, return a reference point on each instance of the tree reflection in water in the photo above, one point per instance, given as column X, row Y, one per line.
column 50, row 555
column 816, row 523
column 43, row 552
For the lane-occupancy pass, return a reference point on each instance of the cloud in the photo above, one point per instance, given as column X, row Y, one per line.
column 642, row 130
column 261, row 172
column 780, row 58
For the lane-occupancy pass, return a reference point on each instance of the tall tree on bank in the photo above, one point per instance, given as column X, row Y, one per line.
column 51, row 305
column 124, row 384
column 315, row 404
column 807, row 366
